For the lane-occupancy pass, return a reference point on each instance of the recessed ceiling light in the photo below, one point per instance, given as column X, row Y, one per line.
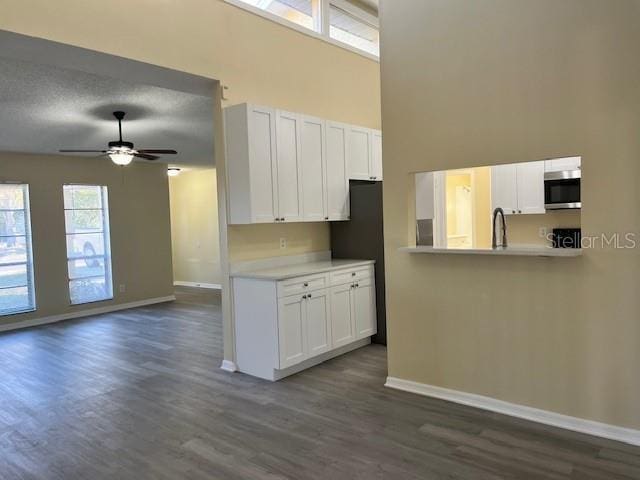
column 173, row 171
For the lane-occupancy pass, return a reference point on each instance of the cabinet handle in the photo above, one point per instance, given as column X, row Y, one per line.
column 519, row 211
column 305, row 284
column 353, row 274
column 357, row 285
column 309, row 296
column 326, row 218
column 304, row 297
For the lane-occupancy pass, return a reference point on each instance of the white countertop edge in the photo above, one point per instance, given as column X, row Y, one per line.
column 509, row 251
column 301, row 270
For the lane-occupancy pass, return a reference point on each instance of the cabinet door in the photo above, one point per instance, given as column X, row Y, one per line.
column 342, row 325
column 376, row 155
column 364, row 302
column 292, row 330
column 560, row 164
column 312, row 163
column 262, row 159
column 318, row 318
column 337, row 173
column 504, row 189
column 530, row 181
column 288, row 167
column 359, row 153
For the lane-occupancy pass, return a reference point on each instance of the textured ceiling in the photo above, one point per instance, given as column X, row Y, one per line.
column 44, row 109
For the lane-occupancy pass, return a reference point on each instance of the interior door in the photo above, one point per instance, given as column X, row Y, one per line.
column 318, row 320
column 364, row 301
column 376, row 155
column 262, row 144
column 359, row 153
column 337, row 175
column 288, row 152
column 312, row 164
column 342, row 327
column 530, row 180
column 292, row 330
column 504, row 189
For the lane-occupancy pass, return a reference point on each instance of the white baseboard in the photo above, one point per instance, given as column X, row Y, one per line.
column 546, row 417
column 228, row 366
column 34, row 322
column 213, row 286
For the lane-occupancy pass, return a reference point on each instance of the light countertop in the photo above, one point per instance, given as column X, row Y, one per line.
column 515, row 250
column 301, row 269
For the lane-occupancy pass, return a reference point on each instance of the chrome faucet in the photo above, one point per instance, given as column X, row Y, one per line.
column 494, row 241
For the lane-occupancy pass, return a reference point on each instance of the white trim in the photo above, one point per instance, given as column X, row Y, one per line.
column 589, row 427
column 299, row 28
column 34, row 322
column 228, row 366
column 213, row 286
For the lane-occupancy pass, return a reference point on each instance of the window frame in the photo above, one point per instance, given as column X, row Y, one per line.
column 106, row 238
column 28, row 236
column 320, row 9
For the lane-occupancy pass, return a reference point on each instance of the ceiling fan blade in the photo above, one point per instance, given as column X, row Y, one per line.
column 82, row 151
column 145, row 156
column 161, row 152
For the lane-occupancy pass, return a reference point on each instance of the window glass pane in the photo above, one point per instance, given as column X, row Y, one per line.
column 88, row 251
column 84, row 221
column 296, row 11
column 12, row 222
column 88, row 290
column 13, row 276
column 86, row 267
column 11, row 197
column 16, row 264
column 85, row 245
column 13, row 250
column 14, row 300
column 348, row 29
column 82, row 196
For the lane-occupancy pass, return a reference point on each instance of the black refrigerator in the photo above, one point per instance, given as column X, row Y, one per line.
column 362, row 238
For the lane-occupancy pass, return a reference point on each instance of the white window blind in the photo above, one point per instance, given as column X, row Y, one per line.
column 17, row 292
column 86, row 210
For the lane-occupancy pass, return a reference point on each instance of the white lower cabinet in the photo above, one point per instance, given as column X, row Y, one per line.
column 285, row 326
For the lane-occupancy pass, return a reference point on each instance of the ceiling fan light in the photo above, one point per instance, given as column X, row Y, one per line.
column 173, row 171
column 120, row 158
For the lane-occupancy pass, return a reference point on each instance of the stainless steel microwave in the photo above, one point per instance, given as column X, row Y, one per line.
column 562, row 190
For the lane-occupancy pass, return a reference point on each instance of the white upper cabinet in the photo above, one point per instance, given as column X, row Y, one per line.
column 288, row 167
column 288, row 154
column 359, row 153
column 337, row 197
column 530, row 180
column 376, row 155
column 250, row 133
column 518, row 188
column 560, row 164
column 504, row 189
column 312, row 163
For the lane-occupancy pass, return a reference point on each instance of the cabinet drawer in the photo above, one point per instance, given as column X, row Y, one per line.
column 298, row 285
column 340, row 277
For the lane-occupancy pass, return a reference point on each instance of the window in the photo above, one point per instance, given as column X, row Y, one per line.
column 347, row 28
column 16, row 260
column 342, row 22
column 297, row 11
column 86, row 211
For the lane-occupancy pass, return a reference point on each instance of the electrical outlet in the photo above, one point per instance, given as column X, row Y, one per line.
column 283, row 242
column 542, row 232
column 122, row 288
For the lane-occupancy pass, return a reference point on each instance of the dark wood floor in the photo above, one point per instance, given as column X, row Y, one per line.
column 138, row 394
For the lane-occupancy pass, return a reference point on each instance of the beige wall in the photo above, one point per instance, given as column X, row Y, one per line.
column 194, row 227
column 139, row 219
column 486, row 82
column 259, row 60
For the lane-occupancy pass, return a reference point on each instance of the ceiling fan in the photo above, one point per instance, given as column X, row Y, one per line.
column 121, row 152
